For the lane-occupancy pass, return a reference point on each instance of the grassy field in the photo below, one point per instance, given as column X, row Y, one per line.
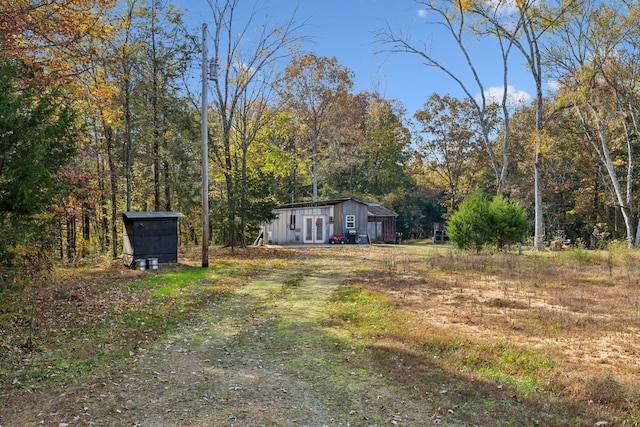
column 367, row 335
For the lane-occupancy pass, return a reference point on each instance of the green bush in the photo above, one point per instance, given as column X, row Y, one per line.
column 470, row 227
column 478, row 222
column 509, row 221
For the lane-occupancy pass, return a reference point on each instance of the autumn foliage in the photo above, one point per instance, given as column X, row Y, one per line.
column 53, row 35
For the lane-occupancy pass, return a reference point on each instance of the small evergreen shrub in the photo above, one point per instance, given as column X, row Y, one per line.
column 478, row 222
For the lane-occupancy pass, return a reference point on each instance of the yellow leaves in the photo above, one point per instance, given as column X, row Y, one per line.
column 53, row 34
column 241, row 78
column 111, row 116
column 544, row 143
column 466, row 5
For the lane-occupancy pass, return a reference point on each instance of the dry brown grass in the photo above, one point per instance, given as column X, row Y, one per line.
column 559, row 330
column 579, row 309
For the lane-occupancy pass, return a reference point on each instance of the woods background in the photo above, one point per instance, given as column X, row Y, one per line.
column 99, row 114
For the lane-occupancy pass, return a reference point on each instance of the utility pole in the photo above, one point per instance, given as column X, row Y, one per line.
column 205, row 153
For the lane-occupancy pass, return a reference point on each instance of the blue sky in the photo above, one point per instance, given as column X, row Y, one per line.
column 345, row 29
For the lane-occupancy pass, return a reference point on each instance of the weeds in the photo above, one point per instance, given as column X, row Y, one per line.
column 563, row 311
column 83, row 322
column 546, row 339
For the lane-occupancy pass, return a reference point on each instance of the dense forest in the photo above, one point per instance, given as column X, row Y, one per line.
column 100, row 113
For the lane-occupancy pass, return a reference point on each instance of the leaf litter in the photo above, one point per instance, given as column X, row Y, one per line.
column 263, row 355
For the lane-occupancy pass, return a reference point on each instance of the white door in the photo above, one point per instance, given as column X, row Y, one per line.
column 313, row 229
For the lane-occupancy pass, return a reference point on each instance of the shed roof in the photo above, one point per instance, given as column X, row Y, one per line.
column 316, row 203
column 152, row 215
column 373, row 209
column 377, row 210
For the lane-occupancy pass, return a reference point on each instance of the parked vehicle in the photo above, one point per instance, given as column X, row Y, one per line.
column 336, row 240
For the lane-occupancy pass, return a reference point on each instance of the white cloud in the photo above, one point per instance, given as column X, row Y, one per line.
column 422, row 13
column 514, row 97
column 553, row 85
column 505, row 7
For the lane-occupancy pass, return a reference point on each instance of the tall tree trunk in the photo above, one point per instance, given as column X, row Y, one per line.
column 231, row 198
column 128, row 141
column 155, row 102
column 103, row 227
column 167, row 185
column 538, row 237
column 314, row 160
column 61, row 238
column 601, row 147
column 86, row 227
column 114, row 191
column 126, row 90
column 71, row 236
column 156, row 146
column 156, row 174
column 243, row 198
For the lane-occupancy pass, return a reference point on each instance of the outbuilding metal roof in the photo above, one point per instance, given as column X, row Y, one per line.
column 152, row 215
column 312, row 204
column 377, row 210
column 373, row 209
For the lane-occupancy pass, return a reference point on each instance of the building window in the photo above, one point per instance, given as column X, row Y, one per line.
column 351, row 221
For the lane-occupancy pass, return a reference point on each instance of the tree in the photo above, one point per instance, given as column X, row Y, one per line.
column 451, row 141
column 52, row 35
column 244, row 54
column 38, row 134
column 313, row 88
column 471, row 226
column 126, row 47
column 385, row 149
column 251, row 120
column 458, row 21
column 479, row 222
column 599, row 80
column 574, row 201
column 526, row 26
column 163, row 55
column 285, row 157
column 509, row 222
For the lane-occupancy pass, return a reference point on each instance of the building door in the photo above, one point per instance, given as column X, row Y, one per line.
column 313, row 229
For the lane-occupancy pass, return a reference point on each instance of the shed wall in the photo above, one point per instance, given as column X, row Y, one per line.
column 288, row 227
column 351, row 207
column 382, row 229
column 291, row 225
column 151, row 238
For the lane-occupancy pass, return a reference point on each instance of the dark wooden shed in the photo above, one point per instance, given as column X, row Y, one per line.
column 150, row 235
column 382, row 224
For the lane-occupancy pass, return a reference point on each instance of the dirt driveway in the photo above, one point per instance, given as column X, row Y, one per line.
column 290, row 346
column 261, row 357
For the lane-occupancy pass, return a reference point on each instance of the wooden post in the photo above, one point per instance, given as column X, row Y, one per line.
column 205, row 154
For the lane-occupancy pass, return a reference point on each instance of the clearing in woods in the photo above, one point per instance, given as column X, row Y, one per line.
column 348, row 335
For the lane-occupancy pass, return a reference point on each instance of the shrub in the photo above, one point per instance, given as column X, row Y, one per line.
column 509, row 221
column 478, row 222
column 470, row 227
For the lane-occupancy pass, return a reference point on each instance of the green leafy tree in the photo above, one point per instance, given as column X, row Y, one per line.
column 37, row 139
column 479, row 222
column 385, row 149
column 246, row 52
column 509, row 222
column 450, row 139
column 315, row 88
column 470, row 227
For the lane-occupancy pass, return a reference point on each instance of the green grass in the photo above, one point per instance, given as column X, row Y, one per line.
column 375, row 322
column 365, row 311
column 331, row 325
column 371, row 314
column 152, row 305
